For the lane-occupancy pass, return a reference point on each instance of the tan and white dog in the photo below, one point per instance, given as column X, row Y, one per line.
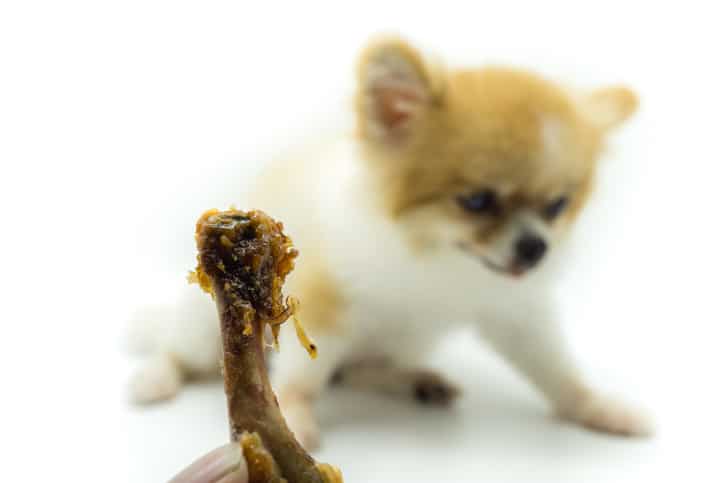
column 446, row 206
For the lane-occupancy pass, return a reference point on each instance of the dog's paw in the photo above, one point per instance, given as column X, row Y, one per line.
column 608, row 415
column 302, row 423
column 430, row 388
column 422, row 385
column 158, row 380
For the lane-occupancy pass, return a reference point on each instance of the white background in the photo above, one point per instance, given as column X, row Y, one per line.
column 121, row 121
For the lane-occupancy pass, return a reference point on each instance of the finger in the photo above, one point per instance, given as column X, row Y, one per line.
column 222, row 465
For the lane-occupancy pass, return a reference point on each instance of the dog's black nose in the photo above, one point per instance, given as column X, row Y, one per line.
column 529, row 249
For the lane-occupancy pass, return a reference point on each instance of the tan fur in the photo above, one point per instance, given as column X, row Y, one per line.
column 610, row 106
column 386, row 51
column 482, row 128
column 316, row 287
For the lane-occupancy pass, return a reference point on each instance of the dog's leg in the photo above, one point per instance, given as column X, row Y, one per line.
column 402, row 373
column 533, row 343
column 185, row 345
column 387, row 377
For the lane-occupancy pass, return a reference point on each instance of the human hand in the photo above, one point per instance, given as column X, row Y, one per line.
column 222, row 465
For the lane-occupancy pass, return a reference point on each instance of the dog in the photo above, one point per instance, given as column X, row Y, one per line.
column 448, row 204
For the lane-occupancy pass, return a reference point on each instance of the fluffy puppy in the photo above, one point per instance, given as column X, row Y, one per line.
column 446, row 206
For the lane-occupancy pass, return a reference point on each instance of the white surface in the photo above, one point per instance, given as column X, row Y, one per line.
column 112, row 116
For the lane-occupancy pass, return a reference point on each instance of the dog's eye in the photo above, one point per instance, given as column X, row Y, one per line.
column 555, row 208
column 483, row 201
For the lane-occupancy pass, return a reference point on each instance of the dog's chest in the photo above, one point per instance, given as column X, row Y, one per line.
column 380, row 270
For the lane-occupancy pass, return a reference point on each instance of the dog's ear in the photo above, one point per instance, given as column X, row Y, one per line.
column 608, row 107
column 396, row 90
